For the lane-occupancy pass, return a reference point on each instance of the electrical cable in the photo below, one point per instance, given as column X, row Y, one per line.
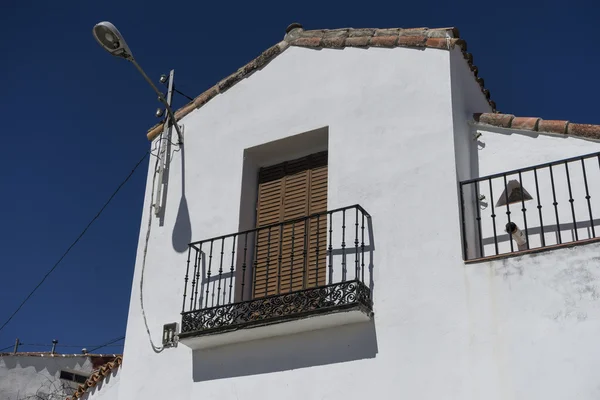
column 158, row 146
column 94, row 347
column 184, row 95
column 64, row 345
column 75, row 242
column 106, row 344
column 154, row 347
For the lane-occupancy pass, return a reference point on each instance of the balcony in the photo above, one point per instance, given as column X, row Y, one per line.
column 303, row 274
column 542, row 207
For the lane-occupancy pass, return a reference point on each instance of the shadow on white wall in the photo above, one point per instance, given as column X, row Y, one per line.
column 328, row 346
column 182, row 231
column 40, row 364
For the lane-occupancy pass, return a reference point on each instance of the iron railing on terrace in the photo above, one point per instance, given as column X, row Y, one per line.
column 530, row 208
column 300, row 267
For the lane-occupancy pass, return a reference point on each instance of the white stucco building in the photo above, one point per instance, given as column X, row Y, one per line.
column 48, row 375
column 333, row 227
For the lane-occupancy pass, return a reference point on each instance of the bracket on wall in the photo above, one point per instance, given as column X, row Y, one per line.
column 165, row 138
column 165, row 144
column 170, row 336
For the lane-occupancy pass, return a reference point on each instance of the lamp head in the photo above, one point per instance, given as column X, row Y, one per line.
column 111, row 40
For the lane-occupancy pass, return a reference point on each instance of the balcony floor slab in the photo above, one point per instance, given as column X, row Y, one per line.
column 339, row 317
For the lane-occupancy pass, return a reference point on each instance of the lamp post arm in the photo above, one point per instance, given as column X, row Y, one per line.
column 161, row 97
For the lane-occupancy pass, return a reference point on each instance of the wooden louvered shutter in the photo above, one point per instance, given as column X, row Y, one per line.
column 317, row 227
column 289, row 191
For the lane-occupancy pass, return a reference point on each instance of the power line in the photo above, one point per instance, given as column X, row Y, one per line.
column 184, row 95
column 65, row 345
column 75, row 242
column 106, row 344
column 95, row 347
column 146, row 242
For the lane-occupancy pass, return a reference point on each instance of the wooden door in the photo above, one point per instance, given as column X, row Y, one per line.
column 286, row 192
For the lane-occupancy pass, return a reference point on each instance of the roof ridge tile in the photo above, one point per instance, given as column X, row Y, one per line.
column 535, row 124
column 296, row 35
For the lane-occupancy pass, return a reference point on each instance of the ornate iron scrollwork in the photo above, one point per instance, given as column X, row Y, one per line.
column 289, row 305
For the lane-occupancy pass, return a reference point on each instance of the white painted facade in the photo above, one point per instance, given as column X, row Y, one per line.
column 395, row 124
column 27, row 376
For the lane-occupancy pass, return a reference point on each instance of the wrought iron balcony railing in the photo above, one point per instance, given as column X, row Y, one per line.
column 542, row 206
column 311, row 265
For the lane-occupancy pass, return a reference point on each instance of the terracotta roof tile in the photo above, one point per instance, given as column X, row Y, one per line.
column 357, row 41
column 412, row 41
column 538, row 125
column 501, row 120
column 387, row 32
column 584, row 130
column 553, row 126
column 97, row 376
column 206, row 96
column 334, row 42
column 525, row 123
column 438, row 43
column 384, row 41
column 440, row 38
column 363, row 32
column 308, row 41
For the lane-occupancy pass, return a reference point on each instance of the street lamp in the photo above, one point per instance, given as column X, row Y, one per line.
column 112, row 41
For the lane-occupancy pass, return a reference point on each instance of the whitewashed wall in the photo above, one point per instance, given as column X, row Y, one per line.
column 466, row 100
column 23, row 376
column 441, row 329
column 532, row 320
column 388, row 114
column 502, row 150
column 532, row 324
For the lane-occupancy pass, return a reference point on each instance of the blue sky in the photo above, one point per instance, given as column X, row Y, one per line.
column 75, row 121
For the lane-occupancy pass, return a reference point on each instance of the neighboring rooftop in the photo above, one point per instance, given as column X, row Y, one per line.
column 536, row 124
column 50, row 354
column 97, row 360
column 438, row 38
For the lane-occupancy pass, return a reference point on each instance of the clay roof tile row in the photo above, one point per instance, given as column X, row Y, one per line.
column 439, row 38
column 98, row 376
column 535, row 124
